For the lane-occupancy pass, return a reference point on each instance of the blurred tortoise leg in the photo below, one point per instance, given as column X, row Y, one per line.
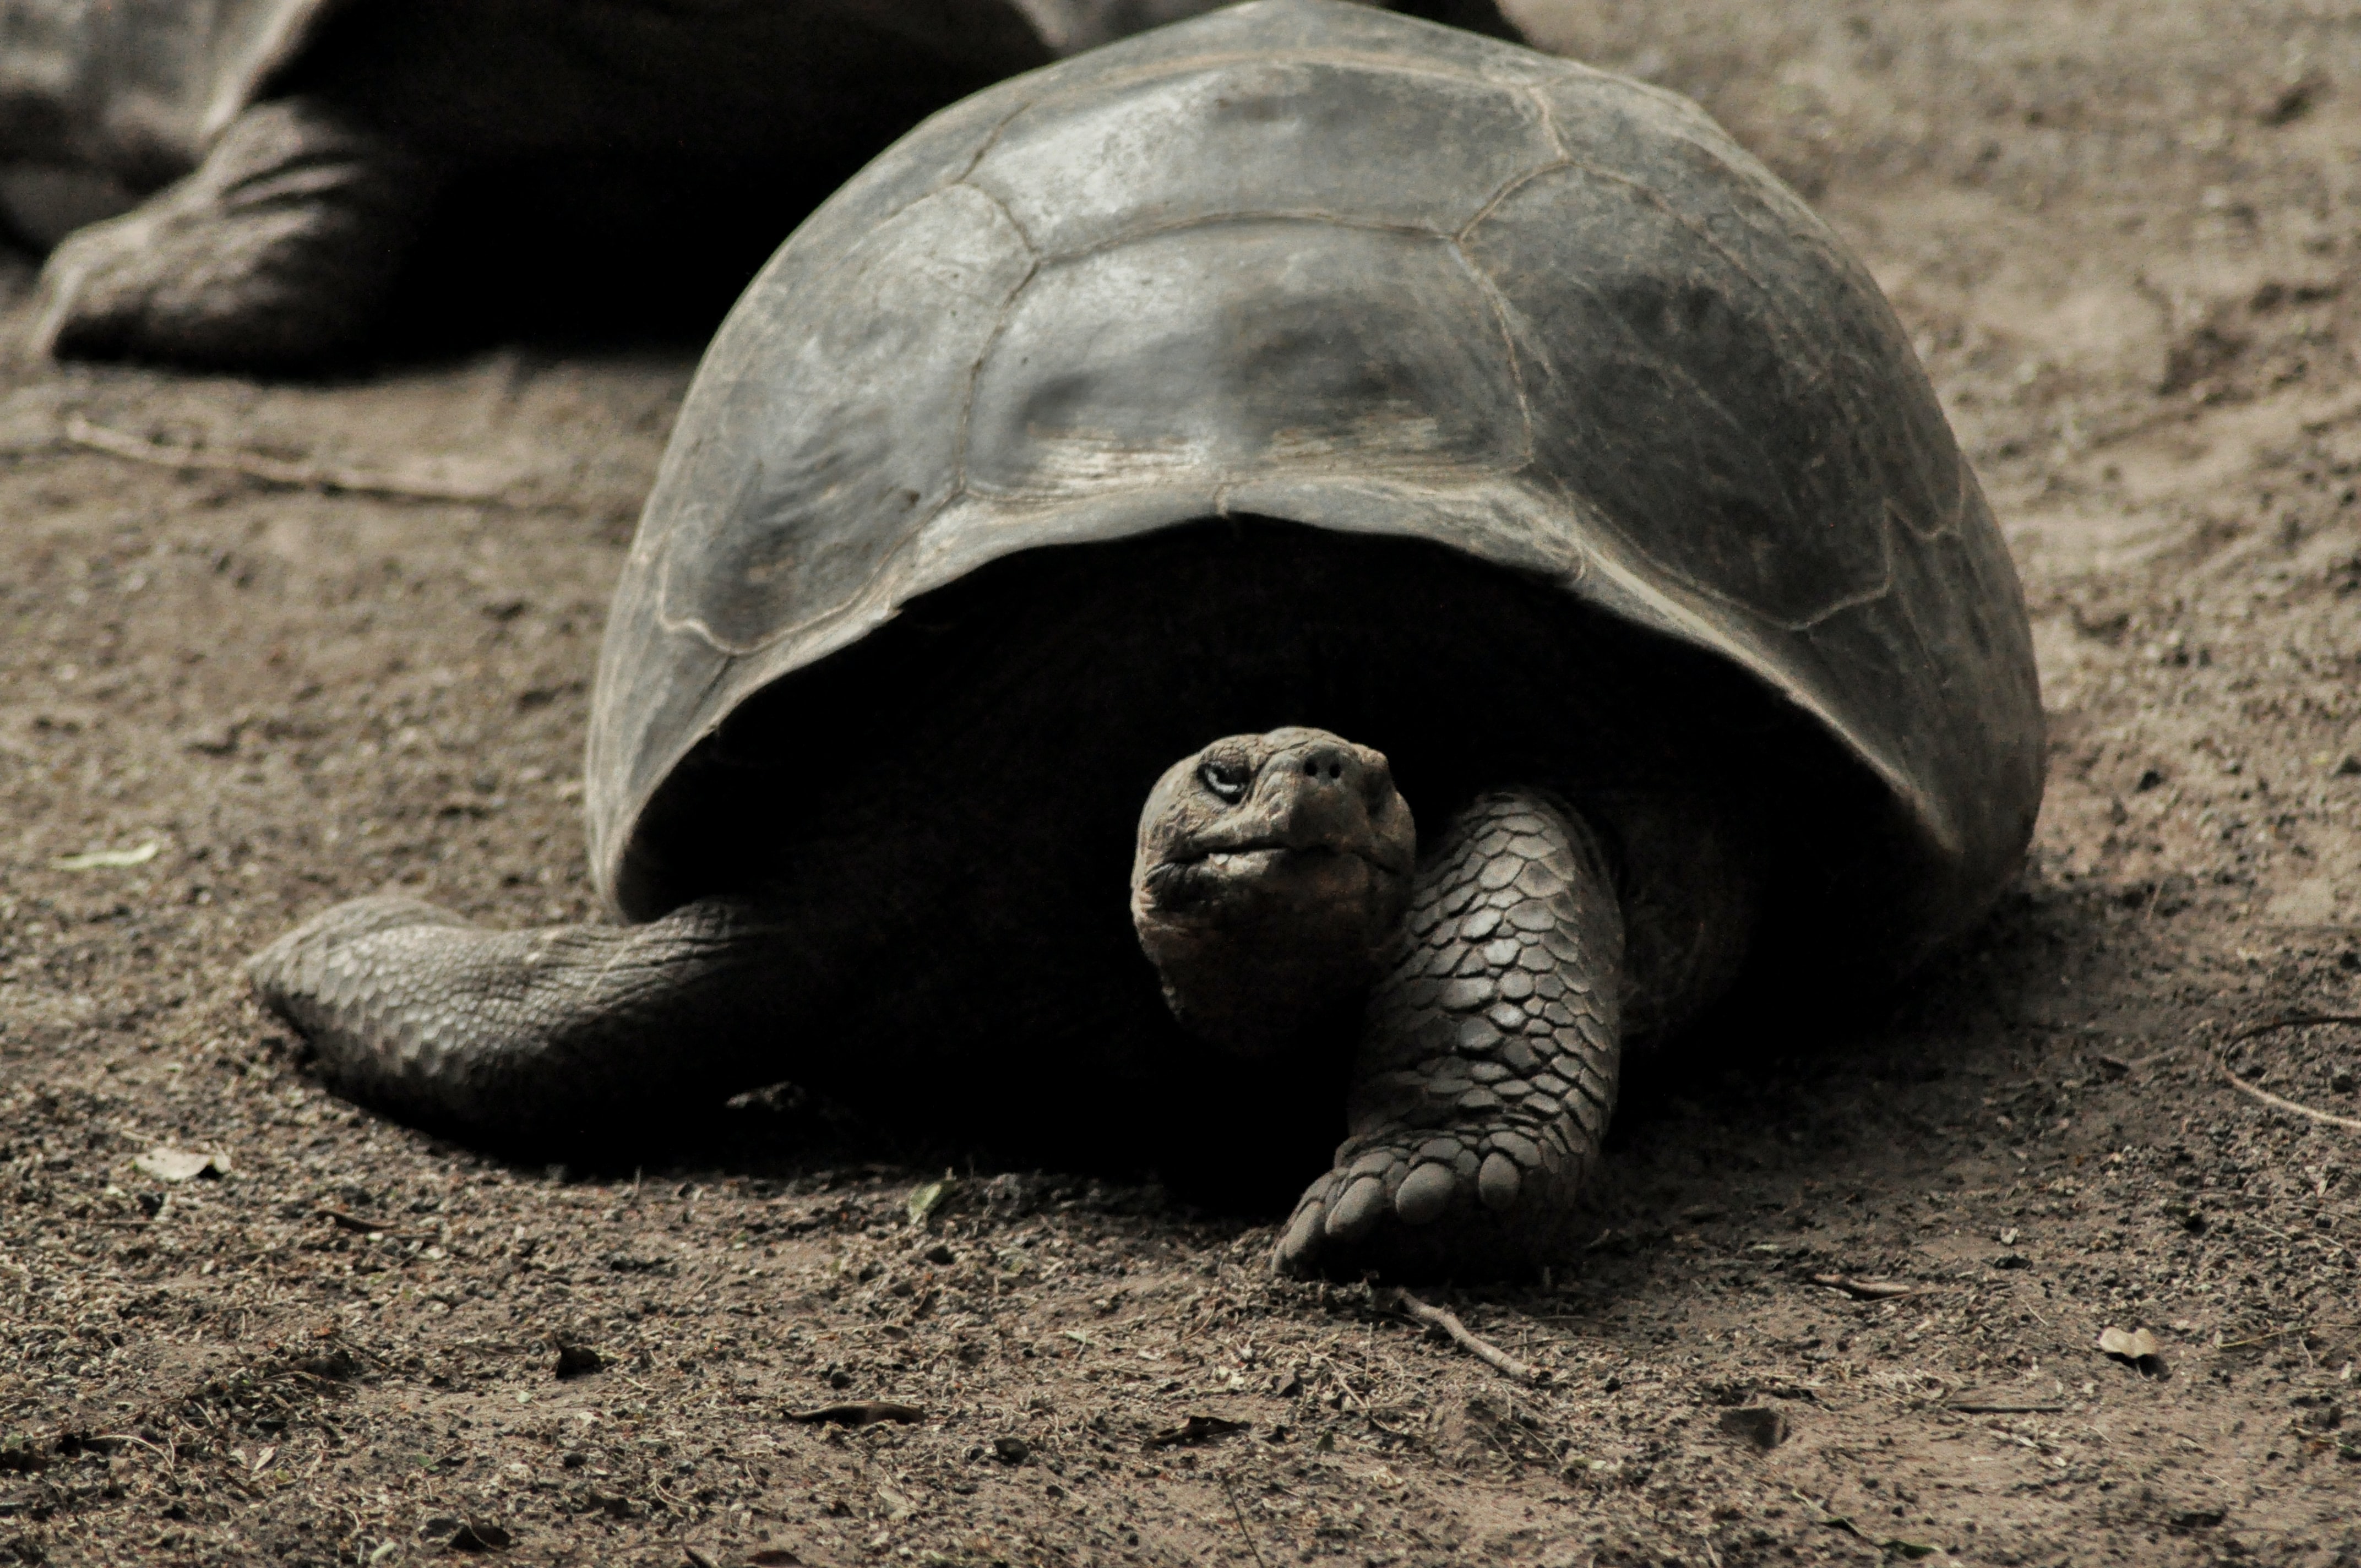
column 543, row 1040
column 277, row 253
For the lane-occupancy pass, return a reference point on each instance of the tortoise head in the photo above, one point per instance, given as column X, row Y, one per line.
column 1270, row 879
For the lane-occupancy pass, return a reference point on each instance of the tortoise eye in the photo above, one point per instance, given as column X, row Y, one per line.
column 1227, row 780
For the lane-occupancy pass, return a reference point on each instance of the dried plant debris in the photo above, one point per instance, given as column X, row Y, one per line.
column 860, row 1413
column 1763, row 1426
column 181, row 1165
column 1863, row 1290
column 2135, row 1348
column 1196, row 1429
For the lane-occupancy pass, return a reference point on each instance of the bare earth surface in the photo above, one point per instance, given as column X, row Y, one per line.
column 2124, row 232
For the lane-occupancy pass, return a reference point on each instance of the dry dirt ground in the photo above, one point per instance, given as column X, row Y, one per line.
column 2124, row 234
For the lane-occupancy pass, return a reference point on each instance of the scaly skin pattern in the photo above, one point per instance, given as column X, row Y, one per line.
column 1489, row 1067
column 523, row 1040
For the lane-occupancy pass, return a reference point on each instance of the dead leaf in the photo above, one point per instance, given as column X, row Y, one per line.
column 861, row 1413
column 475, row 1535
column 574, row 1359
column 1866, row 1290
column 107, row 860
column 178, row 1165
column 1892, row 1545
column 928, row 1197
column 2135, row 1349
column 1761, row 1425
column 1196, row 1429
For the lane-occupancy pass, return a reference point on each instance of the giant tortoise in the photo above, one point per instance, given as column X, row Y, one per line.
column 303, row 144
column 1296, row 366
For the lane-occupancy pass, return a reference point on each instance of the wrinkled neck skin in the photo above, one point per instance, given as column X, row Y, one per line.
column 1269, row 883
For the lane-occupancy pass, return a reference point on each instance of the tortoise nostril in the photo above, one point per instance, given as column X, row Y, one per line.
column 1311, row 769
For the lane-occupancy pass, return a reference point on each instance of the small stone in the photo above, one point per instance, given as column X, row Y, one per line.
column 1464, row 995
column 574, row 1359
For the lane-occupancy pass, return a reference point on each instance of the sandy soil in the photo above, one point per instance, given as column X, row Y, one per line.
column 2124, row 234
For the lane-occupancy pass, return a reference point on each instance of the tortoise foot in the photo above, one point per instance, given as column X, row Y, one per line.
column 1463, row 1204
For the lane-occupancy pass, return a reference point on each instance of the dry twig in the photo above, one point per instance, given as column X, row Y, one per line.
column 2298, row 1021
column 1442, row 1318
column 1243, row 1529
column 79, row 432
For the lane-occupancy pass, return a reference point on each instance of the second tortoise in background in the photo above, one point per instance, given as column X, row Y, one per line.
column 303, row 146
column 1299, row 365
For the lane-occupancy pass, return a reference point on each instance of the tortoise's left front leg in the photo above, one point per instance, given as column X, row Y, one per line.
column 1488, row 1064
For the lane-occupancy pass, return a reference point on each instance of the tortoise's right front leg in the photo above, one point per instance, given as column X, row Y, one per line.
column 534, row 1039
column 1488, row 1064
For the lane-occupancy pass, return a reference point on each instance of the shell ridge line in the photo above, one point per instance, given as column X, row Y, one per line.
column 1655, row 197
column 983, row 149
column 1549, row 123
column 1208, row 220
column 974, row 373
column 1700, row 632
column 1114, row 80
column 1498, row 305
column 1676, row 371
column 1510, row 187
column 1869, row 594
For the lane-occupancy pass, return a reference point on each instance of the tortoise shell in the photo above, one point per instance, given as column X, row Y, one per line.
column 1310, row 262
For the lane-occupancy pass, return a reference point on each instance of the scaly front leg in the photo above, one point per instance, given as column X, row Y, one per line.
column 1488, row 1065
column 545, row 1041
